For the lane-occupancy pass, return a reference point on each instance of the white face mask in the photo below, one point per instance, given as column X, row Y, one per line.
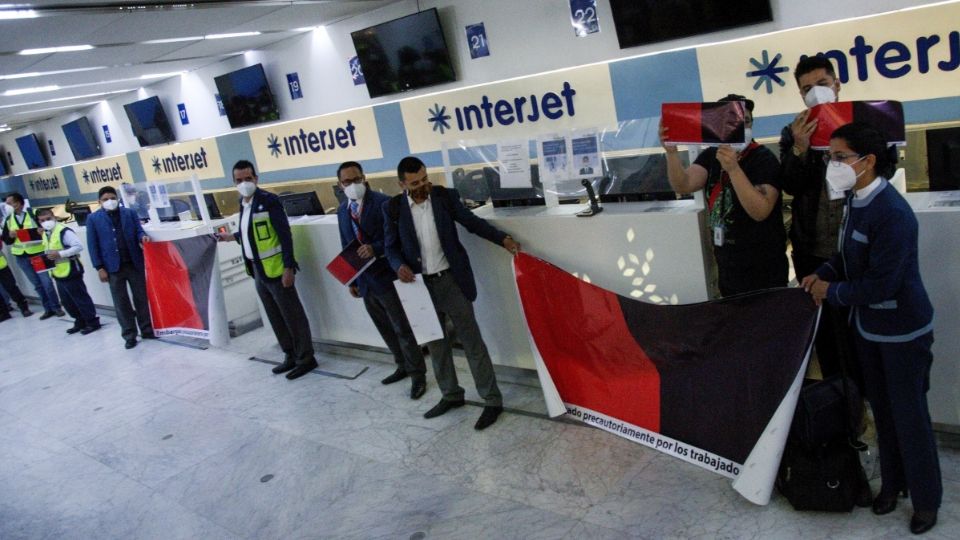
column 49, row 224
column 110, row 205
column 355, row 192
column 6, row 210
column 841, row 177
column 247, row 189
column 748, row 134
column 819, row 95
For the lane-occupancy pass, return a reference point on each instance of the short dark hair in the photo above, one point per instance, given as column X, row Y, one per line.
column 813, row 63
column 347, row 165
column 409, row 165
column 864, row 139
column 244, row 164
column 738, row 97
column 16, row 196
column 106, row 189
column 44, row 211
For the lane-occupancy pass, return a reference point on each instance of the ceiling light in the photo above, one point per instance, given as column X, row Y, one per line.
column 18, row 14
column 162, row 75
column 171, row 40
column 35, row 90
column 42, row 73
column 233, row 35
column 50, row 50
column 68, row 98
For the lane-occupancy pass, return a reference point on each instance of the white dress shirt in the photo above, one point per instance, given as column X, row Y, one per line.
column 866, row 190
column 245, row 212
column 72, row 244
column 432, row 258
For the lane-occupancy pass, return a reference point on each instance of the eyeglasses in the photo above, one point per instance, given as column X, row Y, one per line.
column 838, row 157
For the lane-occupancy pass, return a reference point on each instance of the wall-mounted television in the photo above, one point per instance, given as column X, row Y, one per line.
column 3, row 166
column 246, row 96
column 639, row 22
column 83, row 143
column 149, row 122
column 33, row 155
column 404, row 54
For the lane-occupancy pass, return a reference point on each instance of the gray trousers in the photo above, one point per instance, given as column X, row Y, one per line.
column 391, row 321
column 287, row 318
column 129, row 318
column 450, row 302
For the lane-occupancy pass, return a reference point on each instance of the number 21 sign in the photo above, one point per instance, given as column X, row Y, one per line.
column 477, row 41
column 583, row 17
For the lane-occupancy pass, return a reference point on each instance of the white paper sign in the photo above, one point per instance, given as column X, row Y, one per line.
column 419, row 309
column 586, row 155
column 513, row 160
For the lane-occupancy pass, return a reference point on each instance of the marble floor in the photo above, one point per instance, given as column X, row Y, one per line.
column 170, row 442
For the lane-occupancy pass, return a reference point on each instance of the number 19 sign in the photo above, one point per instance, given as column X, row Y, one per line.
column 477, row 40
column 583, row 17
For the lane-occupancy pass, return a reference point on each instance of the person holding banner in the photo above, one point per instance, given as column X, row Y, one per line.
column 268, row 254
column 421, row 238
column 743, row 199
column 361, row 219
column 877, row 274
column 22, row 219
column 115, row 238
column 61, row 245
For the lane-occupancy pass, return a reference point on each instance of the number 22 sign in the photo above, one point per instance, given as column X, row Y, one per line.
column 583, row 17
column 477, row 41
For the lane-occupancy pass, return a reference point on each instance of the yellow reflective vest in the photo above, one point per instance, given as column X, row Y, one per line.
column 53, row 241
column 18, row 247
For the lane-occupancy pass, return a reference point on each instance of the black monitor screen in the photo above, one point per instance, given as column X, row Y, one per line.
column 211, row 203
column 80, row 213
column 83, row 143
column 501, row 196
column 32, row 154
column 636, row 178
column 648, row 21
column 302, row 204
column 149, row 122
column 247, row 97
column 404, row 54
column 3, row 168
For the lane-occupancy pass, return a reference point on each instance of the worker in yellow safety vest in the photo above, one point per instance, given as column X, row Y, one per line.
column 21, row 232
column 61, row 248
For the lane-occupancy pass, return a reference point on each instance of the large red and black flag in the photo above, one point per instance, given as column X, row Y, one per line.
column 884, row 116
column 707, row 124
column 713, row 383
column 179, row 281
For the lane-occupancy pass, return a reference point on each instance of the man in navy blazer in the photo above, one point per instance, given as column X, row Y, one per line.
column 361, row 220
column 421, row 238
column 114, row 238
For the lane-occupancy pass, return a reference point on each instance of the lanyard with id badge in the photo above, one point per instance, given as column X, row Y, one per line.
column 719, row 191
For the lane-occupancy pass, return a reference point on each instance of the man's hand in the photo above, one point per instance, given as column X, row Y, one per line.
column 144, row 240
column 365, row 251
column 664, row 137
column 12, row 235
column 405, row 274
column 355, row 291
column 53, row 255
column 807, row 281
column 802, row 130
column 225, row 237
column 728, row 158
column 511, row 245
column 104, row 276
column 287, row 279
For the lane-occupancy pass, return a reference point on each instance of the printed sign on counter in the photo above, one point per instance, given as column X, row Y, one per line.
column 179, row 161
column 110, row 171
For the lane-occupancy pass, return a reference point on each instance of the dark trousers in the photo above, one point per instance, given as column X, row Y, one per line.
column 76, row 300
column 42, row 283
column 450, row 302
column 287, row 318
column 8, row 284
column 391, row 321
column 897, row 377
column 834, row 339
column 130, row 319
column 741, row 272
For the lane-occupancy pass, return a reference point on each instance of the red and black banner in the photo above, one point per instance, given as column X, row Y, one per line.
column 348, row 265
column 884, row 116
column 709, row 383
column 179, row 281
column 708, row 124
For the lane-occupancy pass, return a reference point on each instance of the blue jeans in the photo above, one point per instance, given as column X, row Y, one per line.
column 42, row 283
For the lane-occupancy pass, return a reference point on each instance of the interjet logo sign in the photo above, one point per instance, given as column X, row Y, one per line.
column 488, row 113
column 304, row 141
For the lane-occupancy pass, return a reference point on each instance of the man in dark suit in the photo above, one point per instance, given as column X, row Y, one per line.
column 421, row 238
column 115, row 238
column 361, row 219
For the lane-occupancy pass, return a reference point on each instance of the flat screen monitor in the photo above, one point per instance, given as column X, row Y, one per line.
column 3, row 167
column 83, row 143
column 302, row 204
column 635, row 178
column 246, row 96
column 80, row 213
column 639, row 22
column 32, row 154
column 531, row 196
column 404, row 54
column 149, row 121
column 211, row 203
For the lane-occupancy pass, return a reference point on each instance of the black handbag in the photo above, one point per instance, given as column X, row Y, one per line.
column 829, row 479
column 822, row 416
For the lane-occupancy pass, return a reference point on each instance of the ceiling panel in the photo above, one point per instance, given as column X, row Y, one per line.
column 179, row 23
column 216, row 47
column 56, row 30
column 106, row 56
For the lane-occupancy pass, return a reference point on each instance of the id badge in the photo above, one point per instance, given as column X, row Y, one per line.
column 718, row 235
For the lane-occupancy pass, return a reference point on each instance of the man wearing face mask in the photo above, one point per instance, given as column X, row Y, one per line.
column 815, row 222
column 61, row 245
column 268, row 254
column 21, row 217
column 743, row 199
column 421, row 238
column 361, row 219
column 115, row 239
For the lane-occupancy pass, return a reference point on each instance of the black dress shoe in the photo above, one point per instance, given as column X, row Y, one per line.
column 5, row 316
column 149, row 335
column 46, row 315
column 61, row 313
column 286, row 366
column 25, row 311
column 90, row 328
column 77, row 326
column 923, row 521
column 887, row 502
column 302, row 369
column 131, row 343
column 418, row 389
column 488, row 417
column 443, row 407
column 397, row 375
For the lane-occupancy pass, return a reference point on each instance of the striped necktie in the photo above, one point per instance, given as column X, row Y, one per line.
column 355, row 219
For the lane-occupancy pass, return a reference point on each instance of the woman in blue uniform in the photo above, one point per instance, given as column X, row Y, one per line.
column 877, row 273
